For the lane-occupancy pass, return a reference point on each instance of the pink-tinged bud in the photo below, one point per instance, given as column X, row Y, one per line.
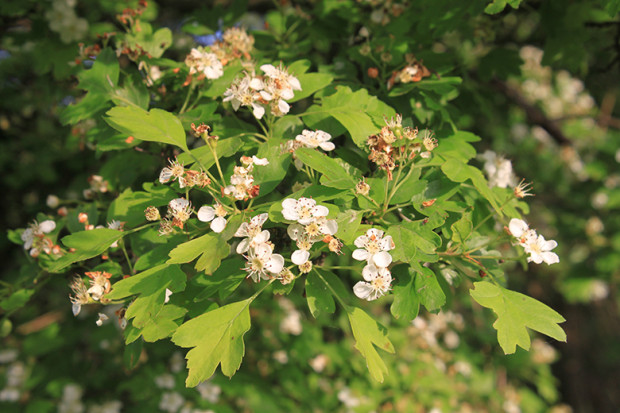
column 373, row 72
column 62, row 211
column 82, row 217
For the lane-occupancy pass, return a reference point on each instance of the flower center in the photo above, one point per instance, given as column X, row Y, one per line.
column 313, row 229
column 373, row 247
column 256, row 265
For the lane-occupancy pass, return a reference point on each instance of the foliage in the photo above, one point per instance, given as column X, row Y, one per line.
column 244, row 167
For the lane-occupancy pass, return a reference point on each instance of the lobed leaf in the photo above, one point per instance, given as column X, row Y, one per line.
column 216, row 338
column 515, row 313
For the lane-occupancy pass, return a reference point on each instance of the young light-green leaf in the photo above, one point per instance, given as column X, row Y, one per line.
column 156, row 125
column 87, row 244
column 368, row 333
column 216, row 338
column 515, row 313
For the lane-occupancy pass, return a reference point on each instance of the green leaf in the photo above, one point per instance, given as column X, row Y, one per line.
column 404, row 243
column 216, row 338
column 103, row 76
column 360, row 113
column 150, row 286
column 458, row 171
column 87, row 244
column 335, row 175
column 225, row 148
column 461, row 229
column 162, row 324
column 495, row 7
column 210, row 259
column 368, row 333
column 406, row 304
column 130, row 205
column 515, row 313
column 348, row 225
column 319, row 298
column 311, row 83
column 156, row 125
column 428, row 289
column 189, row 250
column 16, row 300
column 224, row 280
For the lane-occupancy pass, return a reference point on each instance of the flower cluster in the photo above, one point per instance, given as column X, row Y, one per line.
column 260, row 92
column 308, row 139
column 311, row 225
column 397, row 142
column 65, row 22
column 242, row 181
column 261, row 263
column 498, row 170
column 35, row 240
column 186, row 177
column 179, row 211
column 99, row 285
column 413, row 72
column 373, row 248
column 98, row 185
column 205, row 63
column 533, row 243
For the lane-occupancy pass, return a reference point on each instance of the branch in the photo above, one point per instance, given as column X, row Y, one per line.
column 533, row 113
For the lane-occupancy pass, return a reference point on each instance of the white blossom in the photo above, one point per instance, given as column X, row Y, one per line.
column 214, row 215
column 498, row 170
column 204, row 62
column 261, row 261
column 540, row 251
column 314, row 139
column 304, row 210
column 373, row 247
column 253, row 233
column 377, row 284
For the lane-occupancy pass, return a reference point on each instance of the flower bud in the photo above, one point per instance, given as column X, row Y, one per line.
column 373, row 72
column 286, row 276
column 305, row 267
column 152, row 214
column 362, row 188
column 52, row 201
column 82, row 217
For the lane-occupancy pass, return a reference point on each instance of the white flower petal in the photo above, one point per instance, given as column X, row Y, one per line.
column 360, row 241
column 218, row 224
column 259, row 220
column 243, row 246
column 275, row 264
column 327, row 146
column 360, row 255
column 300, row 256
column 206, row 213
column 370, row 272
column 363, row 290
column 258, row 111
column 320, row 211
column 330, row 227
column 382, row 259
column 262, row 237
column 47, row 226
column 550, row 258
column 242, row 231
column 517, row 227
